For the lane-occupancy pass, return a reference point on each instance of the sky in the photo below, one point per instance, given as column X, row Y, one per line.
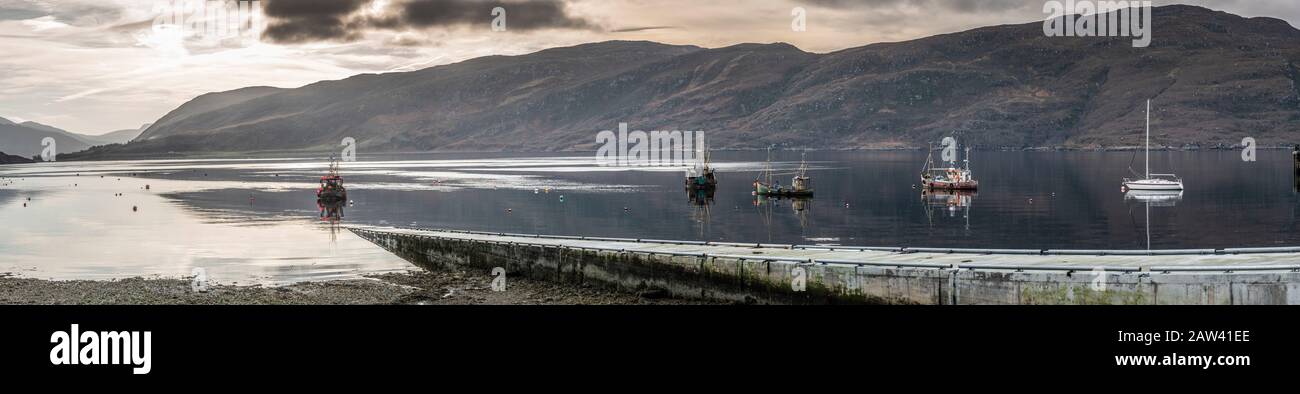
column 95, row 66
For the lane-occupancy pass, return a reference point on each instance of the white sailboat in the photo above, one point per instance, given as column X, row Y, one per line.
column 1153, row 181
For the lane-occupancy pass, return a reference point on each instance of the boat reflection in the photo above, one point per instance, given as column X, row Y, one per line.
column 767, row 204
column 331, row 212
column 701, row 199
column 1152, row 198
column 952, row 203
column 701, row 196
column 798, row 204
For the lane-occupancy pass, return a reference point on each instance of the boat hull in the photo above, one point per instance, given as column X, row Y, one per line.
column 330, row 195
column 941, row 185
column 1140, row 185
column 701, row 183
column 761, row 189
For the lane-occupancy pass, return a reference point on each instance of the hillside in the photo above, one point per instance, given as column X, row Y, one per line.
column 24, row 139
column 1213, row 78
column 6, row 158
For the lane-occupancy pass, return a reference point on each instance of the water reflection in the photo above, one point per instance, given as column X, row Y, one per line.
column 1027, row 200
column 769, row 205
column 331, row 212
column 701, row 196
column 1155, row 198
column 88, row 227
column 1149, row 199
column 701, row 199
column 949, row 203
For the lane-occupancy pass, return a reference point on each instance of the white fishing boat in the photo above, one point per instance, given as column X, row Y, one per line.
column 1153, row 181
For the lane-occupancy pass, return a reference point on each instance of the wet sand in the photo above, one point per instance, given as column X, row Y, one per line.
column 412, row 287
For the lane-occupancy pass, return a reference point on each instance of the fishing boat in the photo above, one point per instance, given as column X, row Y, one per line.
column 331, row 185
column 800, row 185
column 948, row 178
column 701, row 177
column 1152, row 181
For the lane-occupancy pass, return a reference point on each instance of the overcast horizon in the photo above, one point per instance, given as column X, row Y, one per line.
column 93, row 67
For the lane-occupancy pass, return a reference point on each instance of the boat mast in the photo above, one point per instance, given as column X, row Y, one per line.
column 967, row 161
column 803, row 164
column 1148, row 140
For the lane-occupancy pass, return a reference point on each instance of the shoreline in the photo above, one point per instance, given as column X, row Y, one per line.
column 80, row 156
column 413, row 287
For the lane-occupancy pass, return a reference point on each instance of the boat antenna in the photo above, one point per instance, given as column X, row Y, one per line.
column 929, row 157
column 967, row 161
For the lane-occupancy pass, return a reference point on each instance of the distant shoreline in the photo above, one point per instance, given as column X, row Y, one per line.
column 326, row 154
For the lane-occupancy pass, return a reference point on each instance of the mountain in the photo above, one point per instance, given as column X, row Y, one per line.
column 11, row 159
column 204, row 104
column 115, row 137
column 24, row 139
column 1213, row 78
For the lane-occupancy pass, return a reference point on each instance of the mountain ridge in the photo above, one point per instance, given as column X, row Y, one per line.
column 1214, row 78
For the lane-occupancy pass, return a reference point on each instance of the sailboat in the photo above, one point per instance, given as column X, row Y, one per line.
column 1153, row 181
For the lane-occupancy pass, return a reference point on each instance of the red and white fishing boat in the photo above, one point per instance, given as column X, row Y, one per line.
column 948, row 178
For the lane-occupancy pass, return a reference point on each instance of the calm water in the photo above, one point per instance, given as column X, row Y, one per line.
column 257, row 220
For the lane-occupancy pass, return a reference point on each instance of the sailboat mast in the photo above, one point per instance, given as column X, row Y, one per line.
column 1148, row 140
column 767, row 168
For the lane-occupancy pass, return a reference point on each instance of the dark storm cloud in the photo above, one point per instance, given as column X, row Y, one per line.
column 522, row 15
column 294, row 21
column 312, row 20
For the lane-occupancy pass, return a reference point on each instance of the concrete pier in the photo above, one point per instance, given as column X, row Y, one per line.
column 811, row 274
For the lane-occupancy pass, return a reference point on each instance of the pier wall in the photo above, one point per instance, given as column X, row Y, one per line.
column 771, row 281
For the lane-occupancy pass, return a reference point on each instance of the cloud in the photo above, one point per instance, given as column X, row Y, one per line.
column 312, row 20
column 300, row 21
column 641, row 28
column 953, row 5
